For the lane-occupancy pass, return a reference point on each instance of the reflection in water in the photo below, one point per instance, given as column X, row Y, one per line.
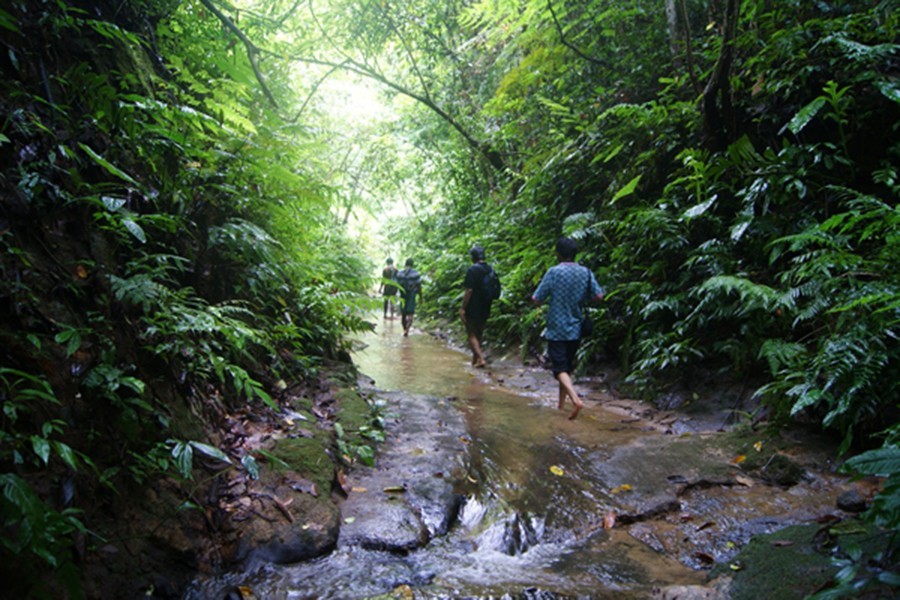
column 536, row 497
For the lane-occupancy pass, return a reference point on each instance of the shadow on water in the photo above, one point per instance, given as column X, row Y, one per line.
column 536, row 491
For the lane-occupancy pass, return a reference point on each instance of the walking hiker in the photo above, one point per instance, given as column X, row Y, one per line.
column 410, row 282
column 567, row 285
column 482, row 287
column 387, row 289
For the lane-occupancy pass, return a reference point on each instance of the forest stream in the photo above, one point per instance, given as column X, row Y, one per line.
column 485, row 489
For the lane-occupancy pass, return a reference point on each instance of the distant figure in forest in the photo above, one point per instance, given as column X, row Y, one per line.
column 388, row 290
column 410, row 282
column 568, row 285
column 482, row 287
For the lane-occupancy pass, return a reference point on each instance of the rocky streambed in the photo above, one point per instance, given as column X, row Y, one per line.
column 484, row 489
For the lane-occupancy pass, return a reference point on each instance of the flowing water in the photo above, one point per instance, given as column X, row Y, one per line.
column 538, row 488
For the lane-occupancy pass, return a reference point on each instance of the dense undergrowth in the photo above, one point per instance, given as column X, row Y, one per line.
column 734, row 185
column 169, row 256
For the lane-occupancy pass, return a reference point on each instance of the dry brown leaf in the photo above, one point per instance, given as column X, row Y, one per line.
column 609, row 520
column 745, row 481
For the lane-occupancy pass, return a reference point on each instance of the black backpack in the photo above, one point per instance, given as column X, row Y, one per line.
column 490, row 283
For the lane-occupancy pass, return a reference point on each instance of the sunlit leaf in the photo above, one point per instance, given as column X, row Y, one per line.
column 558, row 471
column 110, row 168
column 134, row 229
column 210, row 451
column 626, row 190
column 251, row 466
column 805, row 115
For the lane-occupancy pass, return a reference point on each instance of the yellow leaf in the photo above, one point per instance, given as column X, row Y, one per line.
column 738, row 459
column 621, row 488
column 557, row 471
column 758, row 446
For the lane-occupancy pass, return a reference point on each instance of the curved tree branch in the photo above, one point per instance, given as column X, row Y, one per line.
column 252, row 50
column 569, row 45
column 349, row 64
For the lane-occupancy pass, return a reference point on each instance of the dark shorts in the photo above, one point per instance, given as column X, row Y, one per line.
column 562, row 356
column 475, row 327
column 409, row 305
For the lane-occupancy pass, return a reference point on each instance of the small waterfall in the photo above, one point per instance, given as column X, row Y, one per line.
column 501, row 531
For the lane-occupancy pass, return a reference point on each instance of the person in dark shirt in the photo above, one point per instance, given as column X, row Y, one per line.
column 410, row 282
column 388, row 290
column 476, row 304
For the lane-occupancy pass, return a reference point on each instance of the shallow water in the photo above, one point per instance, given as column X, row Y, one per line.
column 537, row 490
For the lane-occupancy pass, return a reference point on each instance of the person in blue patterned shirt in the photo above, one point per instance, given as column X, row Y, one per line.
column 566, row 286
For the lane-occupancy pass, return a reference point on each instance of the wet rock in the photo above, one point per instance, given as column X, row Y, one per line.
column 408, row 498
column 717, row 590
column 378, row 525
column 781, row 470
column 273, row 536
column 852, row 501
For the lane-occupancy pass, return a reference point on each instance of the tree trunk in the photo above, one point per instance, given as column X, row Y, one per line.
column 717, row 108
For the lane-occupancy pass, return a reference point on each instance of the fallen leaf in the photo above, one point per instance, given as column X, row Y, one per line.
column 609, row 520
column 736, row 566
column 557, row 471
column 349, row 520
column 738, row 459
column 730, row 545
column 246, row 592
column 81, row 272
column 625, row 487
column 758, row 446
column 403, row 591
column 358, row 490
column 342, row 481
column 745, row 481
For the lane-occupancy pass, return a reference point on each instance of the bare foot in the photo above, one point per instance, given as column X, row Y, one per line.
column 578, row 405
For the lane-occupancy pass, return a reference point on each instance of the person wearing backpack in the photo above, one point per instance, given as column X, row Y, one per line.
column 482, row 287
column 410, row 282
column 566, row 287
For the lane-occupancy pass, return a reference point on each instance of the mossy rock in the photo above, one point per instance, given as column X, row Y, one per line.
column 783, row 565
column 306, row 456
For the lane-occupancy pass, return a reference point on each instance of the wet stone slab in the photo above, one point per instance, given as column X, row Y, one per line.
column 408, row 497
